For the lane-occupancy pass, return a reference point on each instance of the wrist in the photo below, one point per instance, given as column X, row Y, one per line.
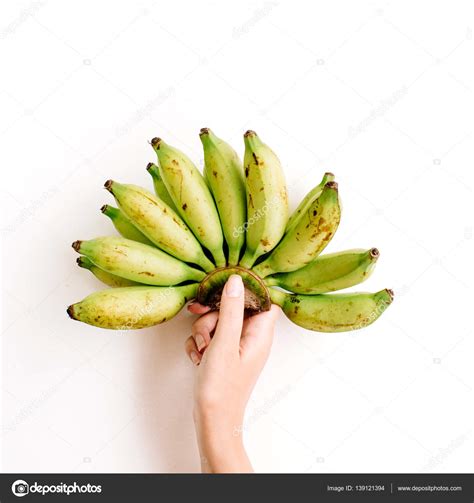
column 216, row 425
column 220, row 442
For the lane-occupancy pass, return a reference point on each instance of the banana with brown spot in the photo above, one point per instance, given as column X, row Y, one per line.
column 328, row 273
column 136, row 261
column 224, row 175
column 159, row 223
column 337, row 312
column 267, row 199
column 191, row 196
column 159, row 186
column 132, row 307
column 107, row 278
column 309, row 236
column 123, row 225
column 307, row 201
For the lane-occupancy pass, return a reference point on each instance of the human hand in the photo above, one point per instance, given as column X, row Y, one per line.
column 229, row 352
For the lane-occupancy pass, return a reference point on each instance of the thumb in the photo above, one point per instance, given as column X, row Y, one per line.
column 231, row 313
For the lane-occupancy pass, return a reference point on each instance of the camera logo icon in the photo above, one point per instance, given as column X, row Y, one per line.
column 20, row 488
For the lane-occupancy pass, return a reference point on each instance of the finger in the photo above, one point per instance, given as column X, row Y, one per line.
column 231, row 313
column 258, row 330
column 202, row 329
column 192, row 351
column 197, row 308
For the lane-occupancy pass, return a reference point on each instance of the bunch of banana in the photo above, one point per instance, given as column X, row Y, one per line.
column 184, row 241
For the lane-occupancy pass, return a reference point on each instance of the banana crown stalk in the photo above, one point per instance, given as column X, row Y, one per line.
column 224, row 175
column 267, row 199
column 184, row 242
column 191, row 196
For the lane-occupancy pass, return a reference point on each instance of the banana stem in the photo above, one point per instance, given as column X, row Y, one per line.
column 234, row 257
column 277, row 297
column 271, row 281
column 219, row 258
column 206, row 264
column 247, row 260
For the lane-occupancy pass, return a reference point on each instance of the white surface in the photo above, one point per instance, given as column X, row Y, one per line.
column 380, row 93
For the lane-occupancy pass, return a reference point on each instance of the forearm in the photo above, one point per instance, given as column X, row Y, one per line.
column 220, row 444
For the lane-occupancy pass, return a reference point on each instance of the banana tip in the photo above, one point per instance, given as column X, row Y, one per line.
column 328, row 173
column 108, row 185
column 249, row 133
column 149, row 166
column 204, row 131
column 103, row 208
column 331, row 185
column 374, row 253
column 76, row 245
column 70, row 312
column 155, row 142
column 391, row 294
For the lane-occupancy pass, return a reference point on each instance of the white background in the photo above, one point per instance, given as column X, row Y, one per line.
column 380, row 93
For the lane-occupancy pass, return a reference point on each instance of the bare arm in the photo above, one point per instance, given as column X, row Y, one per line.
column 228, row 366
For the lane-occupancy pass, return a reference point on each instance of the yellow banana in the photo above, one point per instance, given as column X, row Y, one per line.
column 333, row 312
column 123, row 225
column 328, row 273
column 106, row 277
column 224, row 175
column 159, row 186
column 159, row 223
column 307, row 201
column 309, row 236
column 132, row 307
column 191, row 196
column 267, row 199
column 136, row 261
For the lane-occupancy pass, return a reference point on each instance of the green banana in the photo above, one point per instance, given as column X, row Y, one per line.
column 192, row 197
column 308, row 238
column 132, row 307
column 136, row 261
column 333, row 312
column 224, row 175
column 307, row 201
column 159, row 223
column 267, row 199
column 328, row 273
column 104, row 276
column 159, row 186
column 123, row 225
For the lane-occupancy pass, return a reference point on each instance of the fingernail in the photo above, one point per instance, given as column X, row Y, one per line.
column 200, row 342
column 195, row 357
column 234, row 286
